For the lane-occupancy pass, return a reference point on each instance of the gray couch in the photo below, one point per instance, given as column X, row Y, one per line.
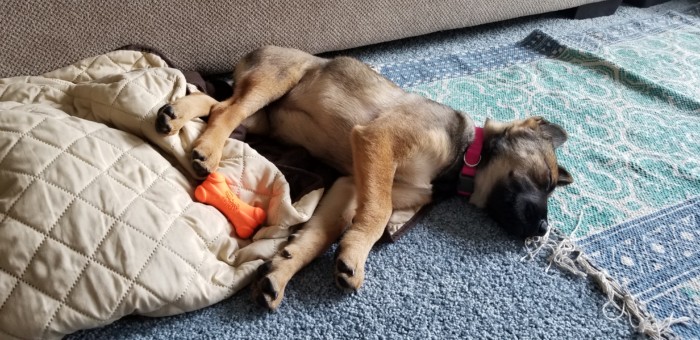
column 209, row 36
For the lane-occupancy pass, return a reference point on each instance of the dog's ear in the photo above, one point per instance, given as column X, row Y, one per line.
column 494, row 132
column 565, row 177
column 553, row 132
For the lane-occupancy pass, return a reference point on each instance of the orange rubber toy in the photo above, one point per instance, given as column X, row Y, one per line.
column 215, row 191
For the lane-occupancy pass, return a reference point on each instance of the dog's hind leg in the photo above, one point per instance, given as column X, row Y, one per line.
column 374, row 160
column 260, row 78
column 331, row 217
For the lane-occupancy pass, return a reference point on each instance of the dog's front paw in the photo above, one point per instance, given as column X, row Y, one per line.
column 349, row 270
column 267, row 292
column 205, row 158
column 168, row 120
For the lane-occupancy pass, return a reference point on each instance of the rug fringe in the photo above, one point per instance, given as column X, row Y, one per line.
column 567, row 256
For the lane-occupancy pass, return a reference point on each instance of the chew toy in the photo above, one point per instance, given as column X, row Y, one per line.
column 215, row 191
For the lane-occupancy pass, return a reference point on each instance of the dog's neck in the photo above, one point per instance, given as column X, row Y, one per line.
column 458, row 178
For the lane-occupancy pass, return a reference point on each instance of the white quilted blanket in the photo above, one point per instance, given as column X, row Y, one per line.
column 97, row 219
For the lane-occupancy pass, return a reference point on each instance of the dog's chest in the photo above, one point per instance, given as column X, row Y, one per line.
column 433, row 152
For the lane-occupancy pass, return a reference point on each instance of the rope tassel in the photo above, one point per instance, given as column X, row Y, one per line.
column 565, row 255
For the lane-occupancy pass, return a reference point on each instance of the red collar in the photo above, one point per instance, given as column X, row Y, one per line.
column 472, row 157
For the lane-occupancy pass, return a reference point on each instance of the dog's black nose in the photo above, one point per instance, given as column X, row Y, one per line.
column 542, row 228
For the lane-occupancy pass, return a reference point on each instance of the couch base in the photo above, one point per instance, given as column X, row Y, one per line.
column 598, row 9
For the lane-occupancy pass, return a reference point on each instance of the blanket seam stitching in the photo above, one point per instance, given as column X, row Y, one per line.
column 62, row 301
column 115, row 218
column 138, row 160
column 104, row 237
column 114, row 271
column 105, row 173
column 84, row 70
column 148, row 261
column 44, row 239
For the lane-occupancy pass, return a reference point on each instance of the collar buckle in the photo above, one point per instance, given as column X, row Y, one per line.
column 471, row 165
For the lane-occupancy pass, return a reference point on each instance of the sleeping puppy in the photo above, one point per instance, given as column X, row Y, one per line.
column 394, row 148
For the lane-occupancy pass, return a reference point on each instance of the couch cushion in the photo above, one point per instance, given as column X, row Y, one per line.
column 209, row 37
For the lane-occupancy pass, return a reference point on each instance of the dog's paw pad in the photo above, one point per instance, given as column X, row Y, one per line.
column 264, row 268
column 199, row 166
column 200, row 169
column 342, row 283
column 163, row 118
column 341, row 267
column 267, row 288
column 198, row 156
column 168, row 110
column 347, row 278
column 267, row 293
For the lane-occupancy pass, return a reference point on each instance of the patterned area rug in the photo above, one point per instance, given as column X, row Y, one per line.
column 629, row 96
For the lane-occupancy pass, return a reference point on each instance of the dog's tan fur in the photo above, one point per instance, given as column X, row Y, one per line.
column 390, row 144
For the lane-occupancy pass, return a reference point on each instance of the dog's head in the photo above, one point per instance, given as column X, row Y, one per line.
column 518, row 172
